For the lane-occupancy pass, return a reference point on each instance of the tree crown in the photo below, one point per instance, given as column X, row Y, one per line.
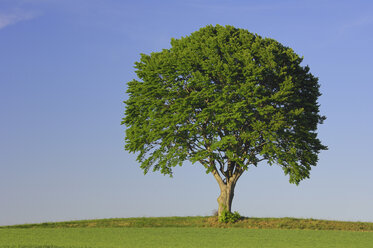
column 228, row 99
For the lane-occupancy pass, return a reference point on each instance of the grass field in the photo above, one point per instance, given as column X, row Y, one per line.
column 182, row 232
column 198, row 221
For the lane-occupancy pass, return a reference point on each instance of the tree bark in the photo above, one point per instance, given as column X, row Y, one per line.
column 226, row 197
column 226, row 188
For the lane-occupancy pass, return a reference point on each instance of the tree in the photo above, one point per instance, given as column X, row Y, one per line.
column 228, row 99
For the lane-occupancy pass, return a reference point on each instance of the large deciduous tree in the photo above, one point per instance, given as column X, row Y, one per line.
column 228, row 99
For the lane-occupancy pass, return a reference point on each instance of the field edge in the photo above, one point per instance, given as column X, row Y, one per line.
column 209, row 221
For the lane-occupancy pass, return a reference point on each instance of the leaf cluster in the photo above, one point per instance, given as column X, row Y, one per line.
column 229, row 217
column 226, row 98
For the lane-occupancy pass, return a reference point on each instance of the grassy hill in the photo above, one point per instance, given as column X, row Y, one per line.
column 250, row 223
column 189, row 232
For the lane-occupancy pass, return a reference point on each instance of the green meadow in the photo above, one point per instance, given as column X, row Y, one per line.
column 188, row 232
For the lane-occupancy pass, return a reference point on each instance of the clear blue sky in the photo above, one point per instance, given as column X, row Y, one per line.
column 64, row 65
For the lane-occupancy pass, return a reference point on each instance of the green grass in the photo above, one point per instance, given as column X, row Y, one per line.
column 180, row 237
column 189, row 232
column 251, row 223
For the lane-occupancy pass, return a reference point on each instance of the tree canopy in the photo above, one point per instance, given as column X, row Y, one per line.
column 225, row 98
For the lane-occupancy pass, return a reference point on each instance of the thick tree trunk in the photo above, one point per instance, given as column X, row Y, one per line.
column 226, row 197
column 226, row 188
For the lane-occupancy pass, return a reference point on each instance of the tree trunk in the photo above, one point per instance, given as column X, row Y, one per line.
column 226, row 188
column 226, row 197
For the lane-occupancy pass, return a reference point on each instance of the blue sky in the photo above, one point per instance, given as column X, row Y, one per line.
column 64, row 65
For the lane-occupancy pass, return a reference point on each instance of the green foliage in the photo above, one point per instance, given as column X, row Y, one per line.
column 229, row 217
column 224, row 97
